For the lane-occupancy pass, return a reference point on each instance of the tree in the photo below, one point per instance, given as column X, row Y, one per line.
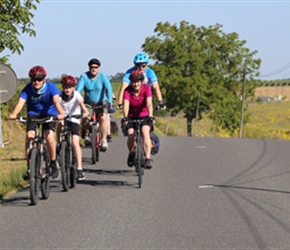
column 15, row 18
column 117, row 77
column 200, row 70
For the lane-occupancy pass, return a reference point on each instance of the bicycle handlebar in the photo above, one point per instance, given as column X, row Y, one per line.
column 37, row 119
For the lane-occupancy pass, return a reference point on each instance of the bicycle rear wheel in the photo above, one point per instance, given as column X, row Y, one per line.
column 45, row 181
column 64, row 164
column 34, row 165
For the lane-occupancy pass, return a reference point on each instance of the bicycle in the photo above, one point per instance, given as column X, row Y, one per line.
column 96, row 137
column 139, row 160
column 67, row 156
column 39, row 161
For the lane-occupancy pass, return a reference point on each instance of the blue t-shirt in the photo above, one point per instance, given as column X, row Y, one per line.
column 150, row 76
column 96, row 90
column 40, row 104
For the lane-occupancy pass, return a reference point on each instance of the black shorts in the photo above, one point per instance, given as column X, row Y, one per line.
column 75, row 128
column 30, row 125
column 144, row 122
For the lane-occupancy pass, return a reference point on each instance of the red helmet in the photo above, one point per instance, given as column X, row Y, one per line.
column 37, row 72
column 69, row 81
column 137, row 75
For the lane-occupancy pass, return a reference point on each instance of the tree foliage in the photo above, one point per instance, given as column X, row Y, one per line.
column 15, row 18
column 200, row 70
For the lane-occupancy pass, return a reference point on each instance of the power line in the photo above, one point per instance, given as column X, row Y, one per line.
column 285, row 67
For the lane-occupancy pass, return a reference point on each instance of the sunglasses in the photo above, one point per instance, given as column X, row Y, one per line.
column 37, row 79
column 94, row 67
column 141, row 65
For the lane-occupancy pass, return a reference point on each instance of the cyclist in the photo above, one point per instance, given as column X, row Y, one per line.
column 111, row 111
column 141, row 61
column 98, row 90
column 73, row 103
column 138, row 105
column 42, row 100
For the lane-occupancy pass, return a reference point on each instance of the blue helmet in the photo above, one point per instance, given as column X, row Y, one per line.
column 155, row 143
column 141, row 58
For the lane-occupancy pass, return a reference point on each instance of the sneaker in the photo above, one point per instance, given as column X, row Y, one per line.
column 54, row 171
column 104, row 146
column 80, row 175
column 148, row 163
column 130, row 160
column 87, row 140
column 109, row 138
column 26, row 175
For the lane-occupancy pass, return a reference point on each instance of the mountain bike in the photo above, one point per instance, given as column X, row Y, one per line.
column 96, row 137
column 39, row 161
column 67, row 156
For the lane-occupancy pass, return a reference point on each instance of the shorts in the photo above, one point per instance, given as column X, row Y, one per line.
column 75, row 128
column 104, row 110
column 30, row 125
column 144, row 122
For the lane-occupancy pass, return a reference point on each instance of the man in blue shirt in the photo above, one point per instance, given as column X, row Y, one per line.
column 141, row 61
column 42, row 100
column 97, row 90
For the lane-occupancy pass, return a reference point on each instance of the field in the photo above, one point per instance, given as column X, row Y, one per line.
column 274, row 91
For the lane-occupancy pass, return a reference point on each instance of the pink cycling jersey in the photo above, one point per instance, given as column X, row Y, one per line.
column 137, row 104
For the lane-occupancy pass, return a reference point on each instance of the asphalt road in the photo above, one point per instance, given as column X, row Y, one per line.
column 202, row 193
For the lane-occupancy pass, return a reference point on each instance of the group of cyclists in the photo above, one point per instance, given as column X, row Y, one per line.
column 43, row 99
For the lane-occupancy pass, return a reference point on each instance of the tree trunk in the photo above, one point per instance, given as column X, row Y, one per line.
column 189, row 126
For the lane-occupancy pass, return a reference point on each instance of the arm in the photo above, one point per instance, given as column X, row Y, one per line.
column 155, row 86
column 121, row 93
column 108, row 86
column 84, row 109
column 17, row 108
column 126, row 108
column 149, row 105
column 81, row 84
column 56, row 101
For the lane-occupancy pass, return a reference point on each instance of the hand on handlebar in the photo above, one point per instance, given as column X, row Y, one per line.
column 120, row 106
column 161, row 105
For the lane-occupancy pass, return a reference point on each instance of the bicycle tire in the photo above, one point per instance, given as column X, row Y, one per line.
column 34, row 164
column 140, row 169
column 73, row 174
column 45, row 181
column 64, row 164
column 94, row 155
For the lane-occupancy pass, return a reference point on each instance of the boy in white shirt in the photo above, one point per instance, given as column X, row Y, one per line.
column 73, row 103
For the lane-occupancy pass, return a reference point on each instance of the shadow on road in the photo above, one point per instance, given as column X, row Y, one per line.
column 111, row 172
column 108, row 183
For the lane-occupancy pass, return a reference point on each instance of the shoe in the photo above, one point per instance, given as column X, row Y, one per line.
column 26, row 175
column 148, row 163
column 54, row 171
column 109, row 138
column 87, row 140
column 130, row 160
column 80, row 175
column 104, row 146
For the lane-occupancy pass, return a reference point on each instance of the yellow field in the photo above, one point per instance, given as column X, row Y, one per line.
column 274, row 91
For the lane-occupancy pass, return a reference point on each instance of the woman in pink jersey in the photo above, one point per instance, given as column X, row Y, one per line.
column 138, row 105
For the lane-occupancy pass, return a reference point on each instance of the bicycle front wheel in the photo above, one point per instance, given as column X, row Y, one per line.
column 45, row 180
column 64, row 164
column 139, row 162
column 95, row 145
column 34, row 166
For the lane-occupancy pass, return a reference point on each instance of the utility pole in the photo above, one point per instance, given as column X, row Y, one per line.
column 243, row 101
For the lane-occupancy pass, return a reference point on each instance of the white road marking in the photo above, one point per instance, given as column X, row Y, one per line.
column 206, row 186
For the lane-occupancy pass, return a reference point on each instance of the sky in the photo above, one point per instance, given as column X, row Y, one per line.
column 70, row 33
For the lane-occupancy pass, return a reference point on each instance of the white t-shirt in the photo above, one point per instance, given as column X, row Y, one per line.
column 72, row 107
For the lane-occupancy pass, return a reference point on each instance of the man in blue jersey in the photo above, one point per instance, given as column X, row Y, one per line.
column 42, row 100
column 141, row 61
column 97, row 90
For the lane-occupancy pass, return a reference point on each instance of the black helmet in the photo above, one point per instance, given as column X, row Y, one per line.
column 137, row 75
column 94, row 61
